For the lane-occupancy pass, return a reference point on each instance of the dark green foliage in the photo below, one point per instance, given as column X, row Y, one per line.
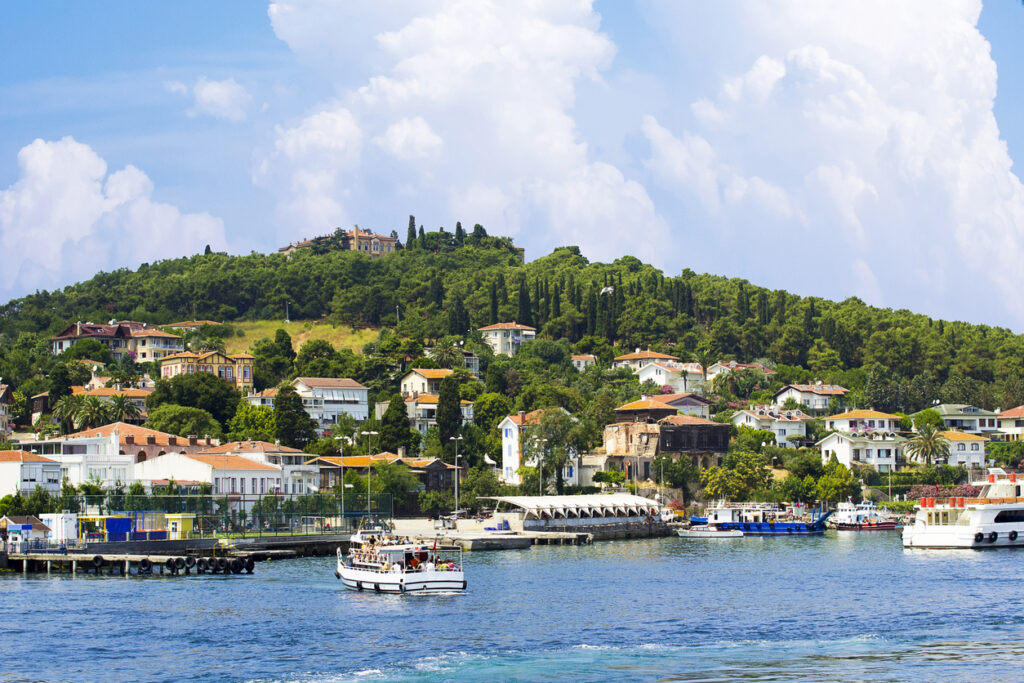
column 449, row 414
column 198, row 390
column 183, row 421
column 293, row 425
column 395, row 432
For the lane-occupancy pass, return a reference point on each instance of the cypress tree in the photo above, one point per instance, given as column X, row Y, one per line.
column 494, row 305
column 410, row 237
column 460, row 234
column 502, row 289
column 394, row 426
column 449, row 413
column 556, row 303
column 422, row 239
column 525, row 309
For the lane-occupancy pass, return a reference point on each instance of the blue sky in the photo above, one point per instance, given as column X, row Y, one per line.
column 836, row 149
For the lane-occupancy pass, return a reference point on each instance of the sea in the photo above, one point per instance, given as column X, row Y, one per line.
column 846, row 606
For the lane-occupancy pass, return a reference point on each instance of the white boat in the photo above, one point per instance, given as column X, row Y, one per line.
column 709, row 532
column 995, row 519
column 394, row 565
column 863, row 516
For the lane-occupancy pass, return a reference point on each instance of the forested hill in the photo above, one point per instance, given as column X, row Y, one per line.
column 448, row 283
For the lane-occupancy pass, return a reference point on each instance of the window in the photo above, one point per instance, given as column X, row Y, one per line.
column 961, row 447
column 974, row 447
column 1010, row 516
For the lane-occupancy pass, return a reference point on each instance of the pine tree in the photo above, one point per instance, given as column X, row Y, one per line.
column 394, row 427
column 493, row 319
column 525, row 315
column 410, row 237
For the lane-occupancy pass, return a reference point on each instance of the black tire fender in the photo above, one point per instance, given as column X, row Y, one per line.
column 337, row 574
column 201, row 565
column 359, row 585
column 979, row 537
column 97, row 561
column 237, row 566
column 179, row 563
column 145, row 565
column 376, row 588
column 1013, row 535
column 222, row 563
column 190, row 562
column 993, row 536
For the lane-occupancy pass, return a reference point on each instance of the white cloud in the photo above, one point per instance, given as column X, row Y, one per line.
column 410, row 140
column 873, row 123
column 66, row 217
column 225, row 99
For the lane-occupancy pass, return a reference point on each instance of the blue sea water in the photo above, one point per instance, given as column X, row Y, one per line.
column 844, row 607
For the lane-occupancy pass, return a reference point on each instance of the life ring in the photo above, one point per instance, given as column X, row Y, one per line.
column 979, row 537
column 993, row 536
column 1013, row 535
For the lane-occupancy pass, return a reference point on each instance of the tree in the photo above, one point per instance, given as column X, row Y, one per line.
column 838, row 483
column 201, row 390
column 65, row 411
column 449, row 414
column 447, row 353
column 183, row 421
column 283, row 342
column 929, row 418
column 88, row 349
column 121, row 409
column 559, row 437
column 928, row 445
column 396, row 480
column 525, row 316
column 252, row 423
column 676, row 471
column 293, row 425
column 92, row 413
column 410, row 236
column 394, row 426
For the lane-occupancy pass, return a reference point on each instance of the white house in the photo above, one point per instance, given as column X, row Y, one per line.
column 782, row 423
column 6, row 398
column 422, row 411
column 505, row 338
column 638, row 359
column 87, row 458
column 724, row 367
column 880, row 450
column 229, row 475
column 968, row 418
column 470, row 360
column 582, row 361
column 21, row 472
column 814, row 398
column 423, row 381
column 513, row 429
column 863, row 421
column 325, row 399
column 296, row 475
column 1011, row 423
column 965, row 449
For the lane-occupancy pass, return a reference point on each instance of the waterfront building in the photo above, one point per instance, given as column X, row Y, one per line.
column 20, row 529
column 298, row 474
column 863, row 421
column 582, row 361
column 814, row 398
column 506, row 338
column 638, row 359
column 22, row 471
column 423, row 381
column 594, row 511
column 965, row 449
column 513, row 449
column 434, row 474
column 788, row 426
column 228, row 475
column 968, row 418
column 87, row 456
column 1011, row 424
column 235, row 369
column 879, row 449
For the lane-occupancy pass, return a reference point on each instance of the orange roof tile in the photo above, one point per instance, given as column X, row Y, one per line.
column 22, row 456
column 231, row 462
column 1013, row 412
column 250, row 447
column 432, row 398
column 507, row 326
column 531, row 418
column 111, row 391
column 124, row 430
column 645, row 354
column 690, row 420
column 154, row 333
column 956, row 435
column 646, row 404
column 330, row 382
column 863, row 415
column 584, row 356
column 432, row 373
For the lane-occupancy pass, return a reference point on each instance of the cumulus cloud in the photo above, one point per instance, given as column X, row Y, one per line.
column 66, row 217
column 225, row 99
column 469, row 108
column 864, row 132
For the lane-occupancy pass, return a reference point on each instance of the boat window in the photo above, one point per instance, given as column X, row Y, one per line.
column 1010, row 516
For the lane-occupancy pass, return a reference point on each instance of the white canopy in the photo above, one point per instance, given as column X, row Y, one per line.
column 594, row 505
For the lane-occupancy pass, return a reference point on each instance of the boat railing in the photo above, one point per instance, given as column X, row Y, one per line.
column 959, row 502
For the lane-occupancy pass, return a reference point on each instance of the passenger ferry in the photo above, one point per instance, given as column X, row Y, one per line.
column 394, row 565
column 995, row 519
column 863, row 516
column 765, row 519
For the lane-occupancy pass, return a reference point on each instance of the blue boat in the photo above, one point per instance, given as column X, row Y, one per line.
column 765, row 519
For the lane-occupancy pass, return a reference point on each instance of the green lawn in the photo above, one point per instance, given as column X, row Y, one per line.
column 301, row 331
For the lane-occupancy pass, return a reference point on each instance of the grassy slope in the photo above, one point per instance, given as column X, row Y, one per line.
column 301, row 332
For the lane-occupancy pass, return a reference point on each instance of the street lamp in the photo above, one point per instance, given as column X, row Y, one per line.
column 456, row 439
column 369, row 470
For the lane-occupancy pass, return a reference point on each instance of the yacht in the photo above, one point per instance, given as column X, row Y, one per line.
column 394, row 565
column 995, row 519
column 863, row 516
column 707, row 531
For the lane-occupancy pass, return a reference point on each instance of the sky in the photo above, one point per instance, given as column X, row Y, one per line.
column 834, row 149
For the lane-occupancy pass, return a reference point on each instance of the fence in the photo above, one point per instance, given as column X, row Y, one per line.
column 236, row 515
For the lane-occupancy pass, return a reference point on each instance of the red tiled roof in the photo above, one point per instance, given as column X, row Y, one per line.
column 507, row 326
column 154, row 333
column 330, row 382
column 22, row 456
column 584, row 356
column 432, row 373
column 250, row 447
column 820, row 389
column 231, row 462
column 111, row 391
column 125, row 430
column 645, row 354
column 531, row 418
column 1013, row 412
column 689, row 420
column 646, row 404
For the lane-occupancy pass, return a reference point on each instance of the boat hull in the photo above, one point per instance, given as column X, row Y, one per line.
column 404, row 583
column 775, row 528
column 710, row 533
column 853, row 526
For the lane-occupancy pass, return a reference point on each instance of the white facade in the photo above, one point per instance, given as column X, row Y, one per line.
column 814, row 398
column 89, row 458
column 505, row 338
column 227, row 474
column 422, row 381
column 422, row 411
column 863, row 421
column 63, row 525
column 783, row 424
column 325, row 399
column 966, row 449
column 967, row 418
column 1011, row 424
column 882, row 451
column 5, row 410
column 513, row 456
column 296, row 475
column 583, row 361
column 637, row 360
column 21, row 472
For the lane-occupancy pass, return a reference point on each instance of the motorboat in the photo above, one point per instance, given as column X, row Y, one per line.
column 766, row 519
column 707, row 531
column 395, row 565
column 864, row 516
column 995, row 519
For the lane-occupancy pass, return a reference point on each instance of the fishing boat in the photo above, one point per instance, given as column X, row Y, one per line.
column 863, row 516
column 706, row 531
column 995, row 519
column 395, row 565
column 766, row 519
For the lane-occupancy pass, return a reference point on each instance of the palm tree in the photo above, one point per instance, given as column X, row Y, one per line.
column 447, row 353
column 928, row 445
column 121, row 409
column 66, row 411
column 92, row 413
column 705, row 354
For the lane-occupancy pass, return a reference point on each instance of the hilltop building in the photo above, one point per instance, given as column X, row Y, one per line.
column 325, row 399
column 364, row 241
column 784, row 424
column 236, row 368
column 126, row 337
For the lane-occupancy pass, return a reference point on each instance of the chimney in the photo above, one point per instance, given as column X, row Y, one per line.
column 150, row 440
column 522, row 418
column 78, row 327
column 401, row 451
column 207, row 437
column 193, row 439
column 129, row 439
column 277, row 443
column 172, row 441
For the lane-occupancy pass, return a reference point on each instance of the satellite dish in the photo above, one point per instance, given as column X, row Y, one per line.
column 488, row 460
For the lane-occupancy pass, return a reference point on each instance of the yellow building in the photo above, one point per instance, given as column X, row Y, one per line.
column 236, row 368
